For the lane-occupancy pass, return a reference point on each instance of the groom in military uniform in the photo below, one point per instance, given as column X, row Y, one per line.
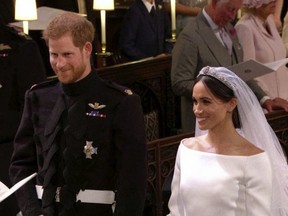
column 84, row 136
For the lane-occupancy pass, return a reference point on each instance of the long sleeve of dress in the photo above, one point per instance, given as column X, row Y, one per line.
column 258, row 186
column 175, row 203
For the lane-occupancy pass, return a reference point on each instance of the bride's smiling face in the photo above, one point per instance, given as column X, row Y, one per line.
column 209, row 110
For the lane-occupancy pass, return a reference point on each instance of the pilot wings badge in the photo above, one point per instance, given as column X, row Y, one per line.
column 97, row 106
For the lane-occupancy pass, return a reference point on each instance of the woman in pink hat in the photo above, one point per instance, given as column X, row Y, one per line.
column 261, row 41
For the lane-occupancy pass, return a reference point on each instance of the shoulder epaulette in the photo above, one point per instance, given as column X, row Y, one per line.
column 49, row 82
column 121, row 88
column 23, row 35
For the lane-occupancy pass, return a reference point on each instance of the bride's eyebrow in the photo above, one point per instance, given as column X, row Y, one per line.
column 203, row 98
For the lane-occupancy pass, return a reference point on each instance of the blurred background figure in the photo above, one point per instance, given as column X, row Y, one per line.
column 261, row 41
column 144, row 31
column 21, row 66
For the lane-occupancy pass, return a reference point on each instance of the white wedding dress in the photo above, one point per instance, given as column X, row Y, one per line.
column 208, row 184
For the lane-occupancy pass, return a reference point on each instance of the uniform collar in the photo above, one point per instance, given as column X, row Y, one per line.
column 80, row 87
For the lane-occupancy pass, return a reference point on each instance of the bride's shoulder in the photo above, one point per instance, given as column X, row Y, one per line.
column 249, row 148
column 193, row 142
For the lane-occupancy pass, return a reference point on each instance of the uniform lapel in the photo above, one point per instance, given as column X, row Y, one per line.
column 52, row 124
column 76, row 127
column 53, row 127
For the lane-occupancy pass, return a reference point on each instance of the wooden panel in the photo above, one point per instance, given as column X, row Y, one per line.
column 123, row 3
column 161, row 160
column 279, row 122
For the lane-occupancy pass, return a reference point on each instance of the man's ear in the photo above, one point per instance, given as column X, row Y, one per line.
column 88, row 47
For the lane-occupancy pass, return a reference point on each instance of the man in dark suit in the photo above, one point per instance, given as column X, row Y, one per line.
column 200, row 45
column 145, row 30
column 21, row 66
column 85, row 137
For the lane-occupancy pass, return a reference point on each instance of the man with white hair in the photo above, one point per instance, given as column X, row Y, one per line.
column 209, row 40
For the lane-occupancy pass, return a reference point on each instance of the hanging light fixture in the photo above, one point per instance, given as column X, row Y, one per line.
column 25, row 10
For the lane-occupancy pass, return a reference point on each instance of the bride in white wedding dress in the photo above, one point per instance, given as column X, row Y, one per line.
column 225, row 171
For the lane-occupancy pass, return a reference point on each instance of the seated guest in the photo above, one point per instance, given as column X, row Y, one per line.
column 144, row 31
column 261, row 41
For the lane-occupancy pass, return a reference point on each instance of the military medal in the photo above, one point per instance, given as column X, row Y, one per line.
column 89, row 150
column 95, row 112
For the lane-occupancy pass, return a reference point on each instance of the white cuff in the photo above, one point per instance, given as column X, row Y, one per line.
column 264, row 99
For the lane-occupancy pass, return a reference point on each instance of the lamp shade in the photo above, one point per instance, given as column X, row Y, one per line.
column 25, row 10
column 103, row 4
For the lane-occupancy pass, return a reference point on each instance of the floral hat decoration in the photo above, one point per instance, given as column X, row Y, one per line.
column 255, row 3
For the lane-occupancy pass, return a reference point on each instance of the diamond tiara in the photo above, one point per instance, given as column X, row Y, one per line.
column 210, row 71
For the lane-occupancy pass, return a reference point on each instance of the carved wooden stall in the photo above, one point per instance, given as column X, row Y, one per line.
column 278, row 120
column 161, row 160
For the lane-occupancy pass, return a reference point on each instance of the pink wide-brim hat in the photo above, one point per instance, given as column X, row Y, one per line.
column 256, row 3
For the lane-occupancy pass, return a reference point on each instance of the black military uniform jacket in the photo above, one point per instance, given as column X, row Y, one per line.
column 58, row 122
column 21, row 66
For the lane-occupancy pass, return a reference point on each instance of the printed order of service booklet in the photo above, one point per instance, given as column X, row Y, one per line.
column 6, row 192
column 251, row 69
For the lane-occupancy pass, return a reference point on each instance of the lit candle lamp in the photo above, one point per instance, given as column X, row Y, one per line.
column 103, row 26
column 173, row 14
column 173, row 19
column 25, row 10
column 103, row 5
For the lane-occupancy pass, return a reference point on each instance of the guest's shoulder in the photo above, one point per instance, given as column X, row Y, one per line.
column 243, row 24
column 246, row 18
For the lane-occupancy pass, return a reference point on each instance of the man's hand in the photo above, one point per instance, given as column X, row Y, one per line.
column 275, row 104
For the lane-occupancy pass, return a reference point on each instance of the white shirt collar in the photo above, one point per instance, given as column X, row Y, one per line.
column 148, row 5
column 210, row 21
